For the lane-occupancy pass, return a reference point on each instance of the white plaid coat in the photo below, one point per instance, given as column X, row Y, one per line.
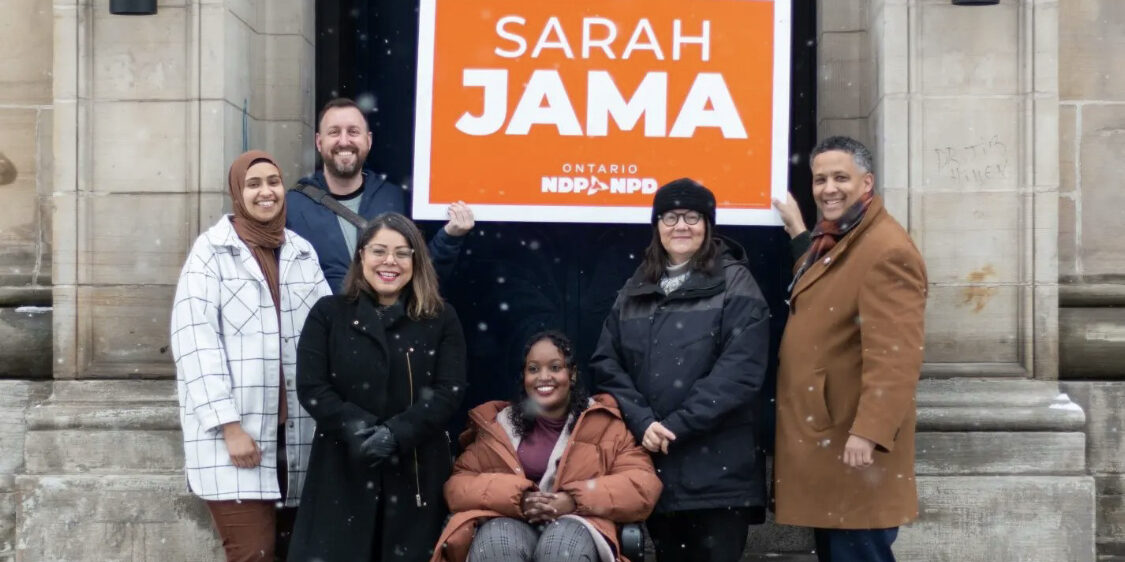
column 228, row 348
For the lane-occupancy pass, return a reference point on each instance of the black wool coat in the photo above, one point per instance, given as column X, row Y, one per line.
column 695, row 361
column 359, row 365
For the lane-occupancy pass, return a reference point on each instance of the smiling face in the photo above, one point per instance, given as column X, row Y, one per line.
column 262, row 192
column 838, row 183
column 682, row 240
column 546, row 379
column 343, row 141
column 388, row 264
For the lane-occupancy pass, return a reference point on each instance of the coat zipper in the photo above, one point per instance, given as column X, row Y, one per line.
column 417, row 479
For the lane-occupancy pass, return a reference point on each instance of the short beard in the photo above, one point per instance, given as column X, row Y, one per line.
column 332, row 169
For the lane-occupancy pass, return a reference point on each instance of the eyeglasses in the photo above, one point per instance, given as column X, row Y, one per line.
column 670, row 219
column 380, row 253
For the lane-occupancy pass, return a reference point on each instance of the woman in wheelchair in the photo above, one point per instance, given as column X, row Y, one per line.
column 552, row 475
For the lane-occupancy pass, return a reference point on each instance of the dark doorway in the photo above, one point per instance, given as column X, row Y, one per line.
column 515, row 279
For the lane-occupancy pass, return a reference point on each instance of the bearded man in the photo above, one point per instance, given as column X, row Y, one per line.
column 328, row 208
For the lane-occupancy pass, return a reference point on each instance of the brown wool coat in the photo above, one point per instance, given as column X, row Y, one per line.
column 849, row 364
column 611, row 479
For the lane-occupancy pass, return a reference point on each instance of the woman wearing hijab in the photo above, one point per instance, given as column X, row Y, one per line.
column 241, row 301
column 382, row 370
column 684, row 352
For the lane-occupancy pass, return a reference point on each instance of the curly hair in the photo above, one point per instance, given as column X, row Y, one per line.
column 523, row 413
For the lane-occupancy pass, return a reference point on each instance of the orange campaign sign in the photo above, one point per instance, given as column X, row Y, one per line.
column 577, row 110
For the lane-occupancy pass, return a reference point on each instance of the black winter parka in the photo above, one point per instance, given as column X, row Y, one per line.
column 693, row 360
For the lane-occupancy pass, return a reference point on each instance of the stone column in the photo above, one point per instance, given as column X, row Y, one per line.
column 959, row 105
column 1091, row 142
column 967, row 117
column 1091, row 252
column 26, row 115
column 151, row 110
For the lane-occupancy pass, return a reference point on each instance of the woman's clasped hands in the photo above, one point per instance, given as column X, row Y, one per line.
column 542, row 507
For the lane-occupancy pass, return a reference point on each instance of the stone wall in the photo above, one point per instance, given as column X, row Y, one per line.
column 1105, row 450
column 151, row 111
column 960, row 106
column 16, row 397
column 1091, row 254
column 1091, row 143
column 102, row 477
column 845, row 67
column 26, row 127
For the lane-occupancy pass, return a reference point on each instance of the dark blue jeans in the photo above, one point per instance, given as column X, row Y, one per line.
column 848, row 545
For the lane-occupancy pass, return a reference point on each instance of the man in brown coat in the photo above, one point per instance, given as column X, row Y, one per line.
column 849, row 364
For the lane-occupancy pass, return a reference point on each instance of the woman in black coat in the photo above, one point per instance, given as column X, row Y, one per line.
column 684, row 352
column 381, row 368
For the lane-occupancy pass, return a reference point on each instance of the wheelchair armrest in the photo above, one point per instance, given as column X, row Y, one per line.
column 632, row 540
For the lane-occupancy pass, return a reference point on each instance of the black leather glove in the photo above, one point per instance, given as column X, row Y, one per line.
column 355, row 427
column 354, row 432
column 378, row 444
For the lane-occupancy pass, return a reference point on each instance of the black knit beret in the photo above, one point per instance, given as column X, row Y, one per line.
column 684, row 193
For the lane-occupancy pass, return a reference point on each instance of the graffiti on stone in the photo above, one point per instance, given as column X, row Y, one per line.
column 7, row 170
column 974, row 164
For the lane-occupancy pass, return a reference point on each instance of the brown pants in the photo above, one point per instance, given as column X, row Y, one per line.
column 248, row 528
column 254, row 530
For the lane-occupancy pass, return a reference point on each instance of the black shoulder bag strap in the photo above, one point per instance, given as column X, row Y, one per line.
column 320, row 196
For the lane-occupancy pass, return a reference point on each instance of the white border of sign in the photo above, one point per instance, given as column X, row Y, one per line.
column 423, row 120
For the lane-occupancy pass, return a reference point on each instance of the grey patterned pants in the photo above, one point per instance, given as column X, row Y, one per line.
column 504, row 539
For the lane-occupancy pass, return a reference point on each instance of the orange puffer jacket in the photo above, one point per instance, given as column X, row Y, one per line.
column 610, row 477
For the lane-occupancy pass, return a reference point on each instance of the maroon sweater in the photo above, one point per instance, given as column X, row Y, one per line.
column 535, row 449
